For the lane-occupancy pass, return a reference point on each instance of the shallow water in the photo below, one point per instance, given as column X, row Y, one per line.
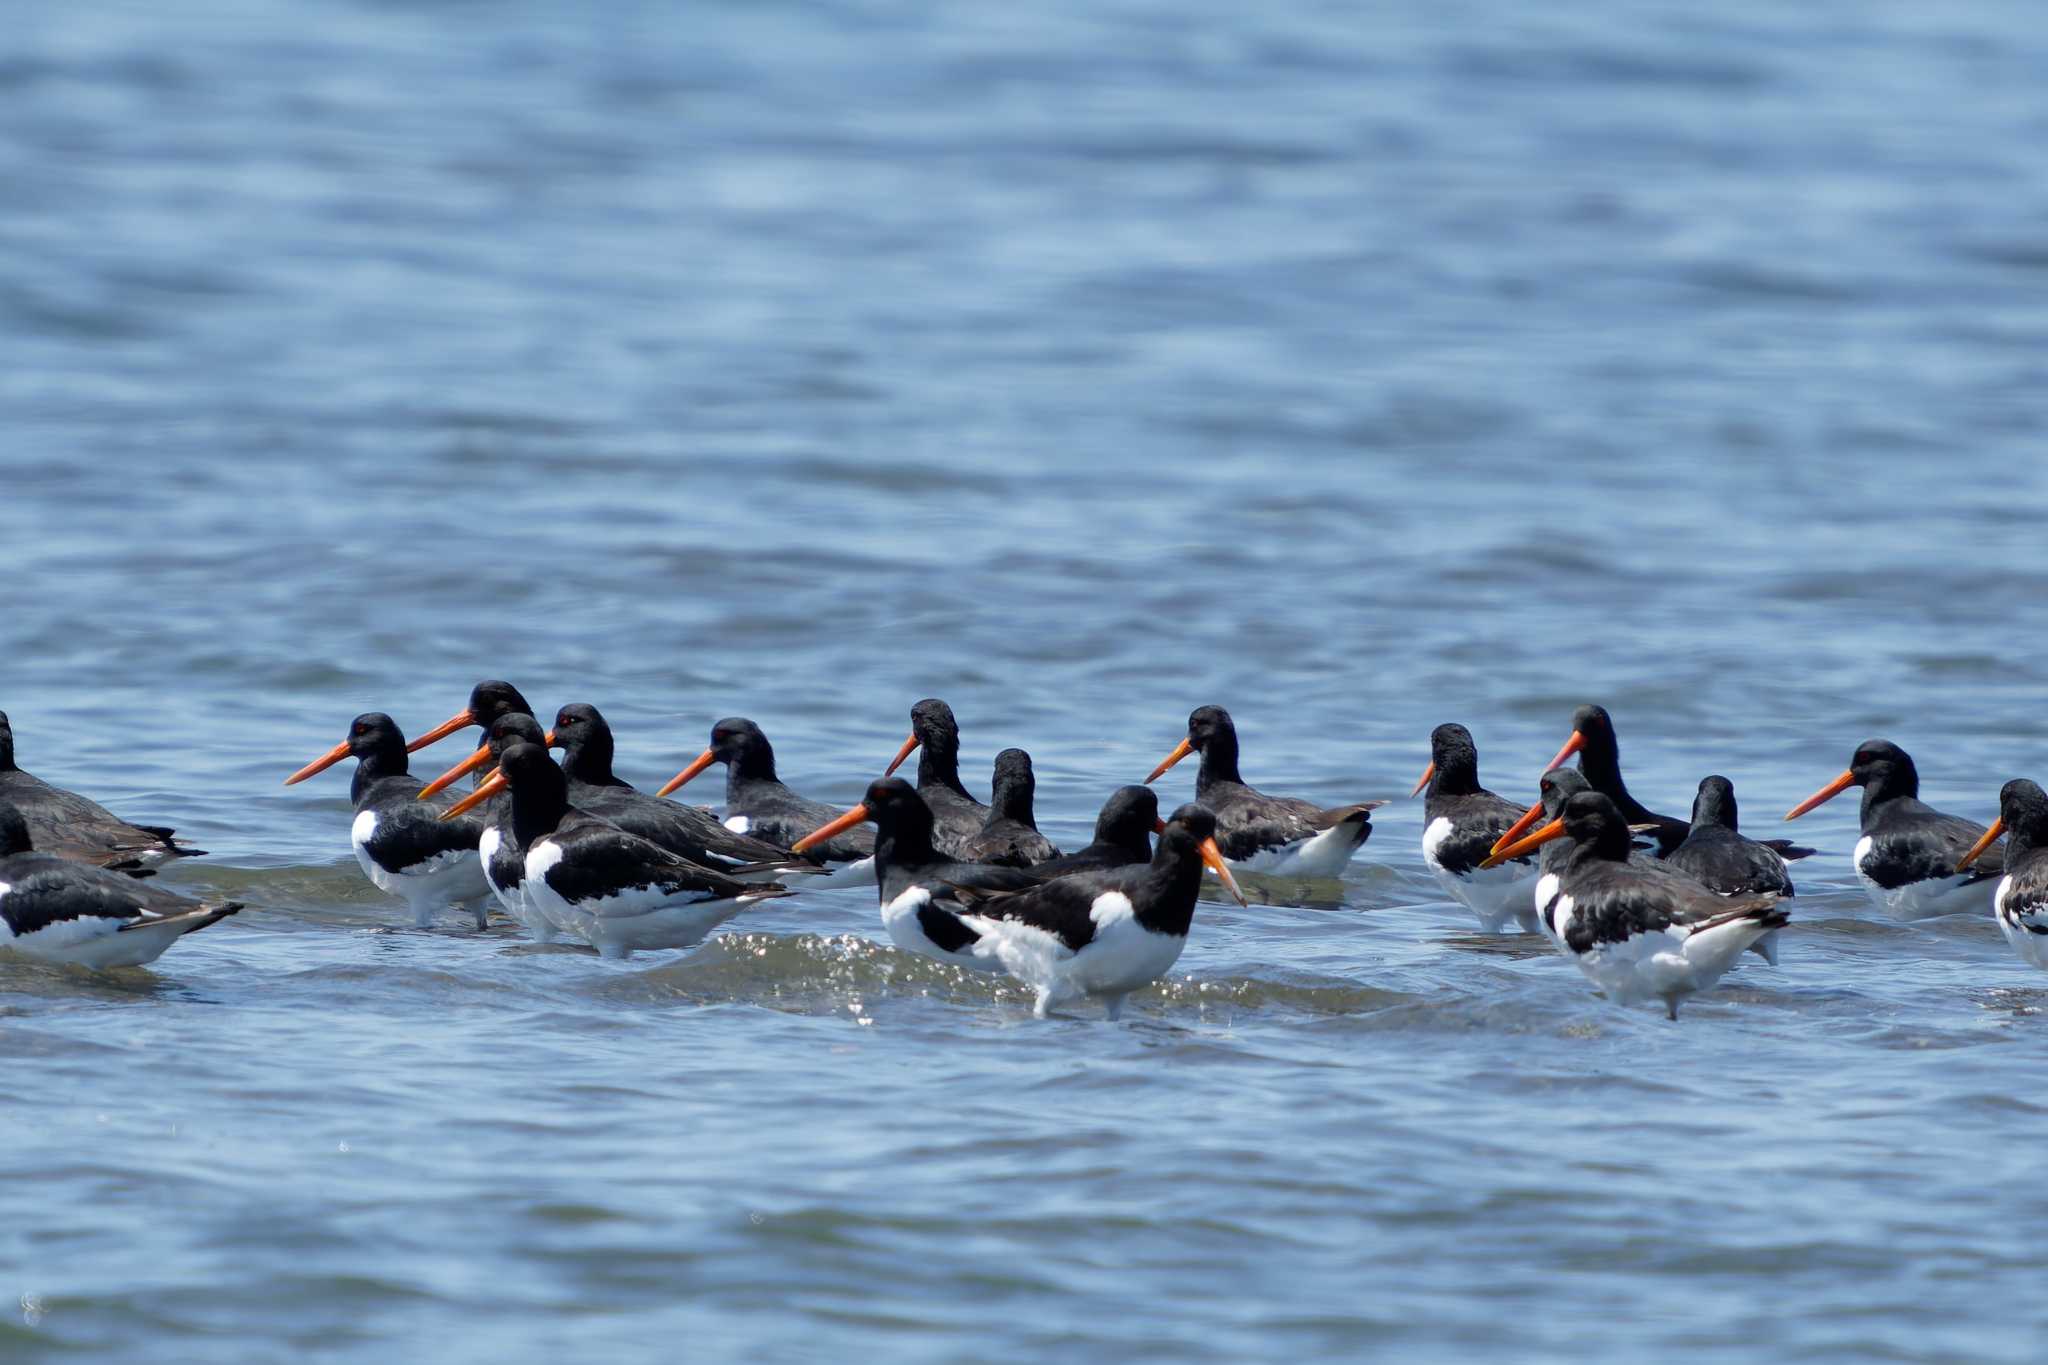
column 1081, row 365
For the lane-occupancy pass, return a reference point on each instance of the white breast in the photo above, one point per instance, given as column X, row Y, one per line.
column 1433, row 839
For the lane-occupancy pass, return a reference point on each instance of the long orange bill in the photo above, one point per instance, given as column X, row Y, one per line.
column 697, row 765
column 909, row 748
column 493, row 784
column 1823, row 796
column 1423, row 781
column 460, row 770
column 1213, row 856
column 1180, row 751
column 320, row 764
column 1571, row 746
column 1553, row 830
column 459, row 720
column 830, row 831
column 1977, row 849
column 552, row 742
column 1516, row 830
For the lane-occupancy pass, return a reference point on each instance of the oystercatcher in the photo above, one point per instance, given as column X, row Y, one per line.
column 67, row 825
column 1636, row 934
column 55, row 909
column 1908, row 854
column 404, row 845
column 1099, row 934
column 618, row 892
column 1010, row 837
column 2021, row 902
column 1275, row 835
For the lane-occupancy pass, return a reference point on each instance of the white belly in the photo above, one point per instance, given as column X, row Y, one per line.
column 1494, row 893
column 454, row 878
column 636, row 919
column 1323, row 856
column 2031, row 947
column 89, row 941
column 1929, row 898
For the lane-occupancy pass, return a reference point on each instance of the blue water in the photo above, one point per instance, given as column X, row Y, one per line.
column 1358, row 369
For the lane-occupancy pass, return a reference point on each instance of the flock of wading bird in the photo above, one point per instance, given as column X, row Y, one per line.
column 1649, row 906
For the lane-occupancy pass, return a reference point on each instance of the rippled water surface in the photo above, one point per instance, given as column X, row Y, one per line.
column 1080, row 364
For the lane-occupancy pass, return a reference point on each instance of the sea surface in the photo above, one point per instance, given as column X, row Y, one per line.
column 1357, row 368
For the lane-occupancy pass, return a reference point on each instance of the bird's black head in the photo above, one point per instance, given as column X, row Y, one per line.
column 6, row 745
column 514, row 727
column 931, row 720
column 494, row 697
column 1594, row 723
column 899, row 813
column 1453, row 759
column 586, row 743
column 735, row 737
column 1128, row 817
column 1193, row 823
column 374, row 734
column 13, row 832
column 1208, row 723
column 1014, row 785
column 1715, row 804
column 579, row 723
column 2023, row 809
column 1879, row 762
column 526, row 766
column 1558, row 786
column 1592, row 821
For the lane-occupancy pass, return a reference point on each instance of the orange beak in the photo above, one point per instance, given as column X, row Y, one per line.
column 551, row 741
column 459, row 720
column 1553, row 830
column 493, row 784
column 1515, row 830
column 1823, row 796
column 1977, row 849
column 697, row 765
column 909, row 747
column 1180, row 751
column 320, row 764
column 1213, row 856
column 832, row 830
column 1423, row 781
column 1571, row 746
column 460, row 770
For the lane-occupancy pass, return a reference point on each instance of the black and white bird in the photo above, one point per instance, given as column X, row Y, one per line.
column 489, row 699
column 1718, row 856
column 1908, row 854
column 1638, row 934
column 916, row 879
column 404, row 846
column 67, row 825
column 1009, row 837
column 1098, row 934
column 1123, row 835
column 1560, row 785
column 2020, row 904
column 956, row 815
column 498, row 848
column 1280, row 836
column 757, row 802
column 1461, row 821
column 55, row 909
column 616, row 891
column 691, row 832
column 1599, row 753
